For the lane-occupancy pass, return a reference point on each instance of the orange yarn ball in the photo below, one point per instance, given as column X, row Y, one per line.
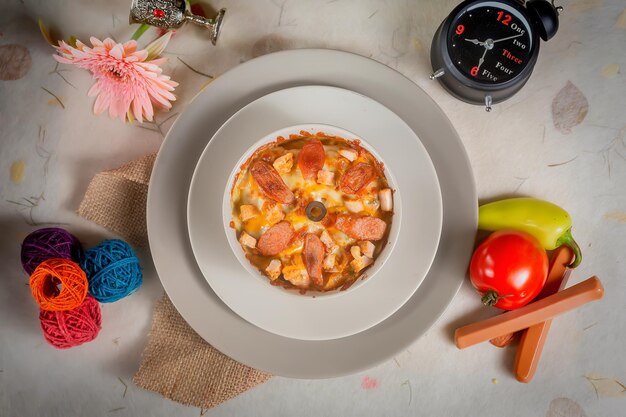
column 45, row 281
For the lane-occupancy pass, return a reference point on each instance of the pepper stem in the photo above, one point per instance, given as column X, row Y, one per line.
column 568, row 240
column 491, row 298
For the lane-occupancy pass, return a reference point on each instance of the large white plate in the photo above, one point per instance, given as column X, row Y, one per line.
column 167, row 220
column 413, row 240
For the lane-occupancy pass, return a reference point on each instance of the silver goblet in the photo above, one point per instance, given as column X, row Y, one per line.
column 171, row 14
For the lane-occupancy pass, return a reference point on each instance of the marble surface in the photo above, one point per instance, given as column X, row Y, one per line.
column 50, row 148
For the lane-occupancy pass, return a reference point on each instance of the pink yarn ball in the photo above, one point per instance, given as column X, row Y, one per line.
column 66, row 329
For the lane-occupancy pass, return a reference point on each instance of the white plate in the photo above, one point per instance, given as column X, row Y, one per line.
column 167, row 221
column 413, row 238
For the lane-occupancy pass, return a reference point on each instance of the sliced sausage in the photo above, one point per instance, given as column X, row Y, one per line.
column 356, row 178
column 271, row 183
column 362, row 228
column 311, row 159
column 313, row 252
column 275, row 239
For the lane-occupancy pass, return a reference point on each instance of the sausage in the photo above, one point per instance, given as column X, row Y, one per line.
column 313, row 252
column 275, row 239
column 311, row 159
column 504, row 340
column 356, row 178
column 531, row 314
column 271, row 183
column 534, row 337
column 362, row 227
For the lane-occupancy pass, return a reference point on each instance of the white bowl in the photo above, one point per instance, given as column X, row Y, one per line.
column 369, row 273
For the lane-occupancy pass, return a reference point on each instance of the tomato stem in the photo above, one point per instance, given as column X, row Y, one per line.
column 491, row 298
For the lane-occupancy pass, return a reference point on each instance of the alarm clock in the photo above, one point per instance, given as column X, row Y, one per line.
column 485, row 50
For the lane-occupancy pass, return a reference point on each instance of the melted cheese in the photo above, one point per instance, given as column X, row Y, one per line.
column 247, row 191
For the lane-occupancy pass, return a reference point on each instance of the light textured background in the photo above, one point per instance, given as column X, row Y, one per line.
column 515, row 149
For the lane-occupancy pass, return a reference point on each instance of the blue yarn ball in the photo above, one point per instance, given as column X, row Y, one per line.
column 112, row 270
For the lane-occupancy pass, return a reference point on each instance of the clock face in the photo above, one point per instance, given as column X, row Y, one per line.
column 490, row 42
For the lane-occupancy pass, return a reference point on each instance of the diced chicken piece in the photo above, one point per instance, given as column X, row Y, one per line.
column 325, row 177
column 367, row 248
column 284, row 164
column 247, row 212
column 247, row 240
column 386, row 199
column 342, row 164
column 273, row 269
column 359, row 263
column 328, row 241
column 341, row 263
column 371, row 205
column 349, row 154
column 274, row 215
column 355, row 251
column 329, row 262
column 297, row 276
column 335, row 280
column 354, row 206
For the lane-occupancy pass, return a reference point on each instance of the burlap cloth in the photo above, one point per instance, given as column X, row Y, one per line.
column 177, row 363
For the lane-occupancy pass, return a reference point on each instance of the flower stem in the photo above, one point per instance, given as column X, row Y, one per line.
column 140, row 31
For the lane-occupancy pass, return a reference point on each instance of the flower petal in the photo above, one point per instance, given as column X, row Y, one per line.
column 137, row 110
column 157, row 47
column 94, row 90
column 94, row 41
column 100, row 105
column 62, row 59
column 159, row 61
column 130, row 47
column 109, row 44
column 117, row 51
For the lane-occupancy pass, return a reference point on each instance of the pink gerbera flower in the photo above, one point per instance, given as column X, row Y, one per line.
column 128, row 81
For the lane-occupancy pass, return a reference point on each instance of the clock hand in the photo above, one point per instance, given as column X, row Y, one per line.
column 506, row 39
column 476, row 42
column 482, row 58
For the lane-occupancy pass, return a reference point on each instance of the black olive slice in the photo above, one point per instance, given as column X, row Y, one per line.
column 315, row 211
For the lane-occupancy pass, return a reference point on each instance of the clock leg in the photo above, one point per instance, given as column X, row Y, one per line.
column 487, row 103
column 437, row 74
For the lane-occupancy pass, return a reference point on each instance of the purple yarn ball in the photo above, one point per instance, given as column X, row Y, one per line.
column 48, row 243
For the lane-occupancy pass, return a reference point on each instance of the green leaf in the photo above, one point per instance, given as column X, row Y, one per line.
column 157, row 47
column 45, row 33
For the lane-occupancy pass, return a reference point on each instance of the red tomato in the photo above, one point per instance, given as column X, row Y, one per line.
column 509, row 269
